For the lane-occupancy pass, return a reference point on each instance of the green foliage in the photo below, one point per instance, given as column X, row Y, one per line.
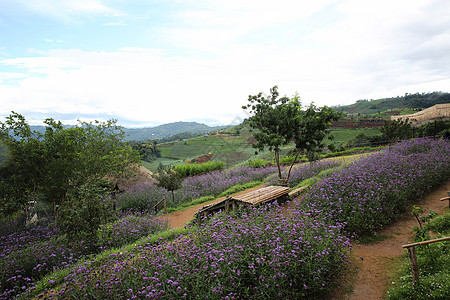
column 351, row 151
column 396, row 130
column 289, row 159
column 422, row 233
column 434, row 128
column 147, row 150
column 188, row 170
column 433, row 260
column 257, row 163
column 423, row 100
column 440, row 224
column 84, row 211
column 58, row 163
column 281, row 120
column 169, row 179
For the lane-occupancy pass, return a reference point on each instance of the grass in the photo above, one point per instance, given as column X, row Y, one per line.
column 341, row 136
column 433, row 261
column 153, row 166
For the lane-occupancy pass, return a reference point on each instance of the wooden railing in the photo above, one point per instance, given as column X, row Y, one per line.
column 412, row 255
column 156, row 205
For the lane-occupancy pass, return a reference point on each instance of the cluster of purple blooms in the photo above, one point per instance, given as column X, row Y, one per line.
column 28, row 255
column 262, row 253
column 143, row 197
column 371, row 192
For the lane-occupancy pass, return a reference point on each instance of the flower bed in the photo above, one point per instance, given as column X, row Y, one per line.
column 371, row 192
column 261, row 254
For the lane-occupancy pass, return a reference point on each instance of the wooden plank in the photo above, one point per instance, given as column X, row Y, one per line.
column 263, row 194
column 427, row 242
column 297, row 191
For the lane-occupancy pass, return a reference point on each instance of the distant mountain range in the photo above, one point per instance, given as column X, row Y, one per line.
column 159, row 132
column 167, row 130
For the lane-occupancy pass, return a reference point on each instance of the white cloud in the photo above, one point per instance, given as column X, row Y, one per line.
column 227, row 50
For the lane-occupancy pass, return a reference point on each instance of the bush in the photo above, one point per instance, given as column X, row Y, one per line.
column 433, row 261
column 187, row 170
column 440, row 224
column 257, row 163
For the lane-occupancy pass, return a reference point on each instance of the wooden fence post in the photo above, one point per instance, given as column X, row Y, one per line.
column 414, row 265
column 165, row 209
column 412, row 255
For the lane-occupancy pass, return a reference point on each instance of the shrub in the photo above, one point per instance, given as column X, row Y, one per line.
column 187, row 170
column 433, row 261
column 257, row 163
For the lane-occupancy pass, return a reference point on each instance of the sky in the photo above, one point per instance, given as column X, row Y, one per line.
column 149, row 62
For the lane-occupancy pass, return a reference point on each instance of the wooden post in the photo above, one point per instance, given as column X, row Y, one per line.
column 227, row 206
column 234, row 205
column 414, row 265
column 165, row 209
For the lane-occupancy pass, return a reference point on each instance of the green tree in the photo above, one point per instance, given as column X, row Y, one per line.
column 393, row 131
column 169, row 179
column 280, row 121
column 23, row 166
column 61, row 161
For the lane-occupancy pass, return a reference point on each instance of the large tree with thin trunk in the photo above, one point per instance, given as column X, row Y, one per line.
column 281, row 120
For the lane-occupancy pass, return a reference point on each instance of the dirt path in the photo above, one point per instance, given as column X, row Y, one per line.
column 179, row 218
column 380, row 261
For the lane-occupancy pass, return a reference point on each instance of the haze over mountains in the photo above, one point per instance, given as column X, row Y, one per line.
column 185, row 129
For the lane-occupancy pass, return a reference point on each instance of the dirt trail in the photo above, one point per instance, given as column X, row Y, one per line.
column 380, row 261
column 179, row 218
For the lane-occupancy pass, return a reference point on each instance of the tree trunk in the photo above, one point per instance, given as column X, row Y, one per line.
column 290, row 168
column 277, row 160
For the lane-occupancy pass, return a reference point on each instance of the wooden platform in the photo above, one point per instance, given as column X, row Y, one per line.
column 260, row 196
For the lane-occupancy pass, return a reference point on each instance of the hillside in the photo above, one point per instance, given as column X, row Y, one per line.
column 408, row 101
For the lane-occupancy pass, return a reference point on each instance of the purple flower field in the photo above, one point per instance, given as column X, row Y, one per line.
column 267, row 252
column 371, row 192
column 31, row 254
column 142, row 198
column 263, row 253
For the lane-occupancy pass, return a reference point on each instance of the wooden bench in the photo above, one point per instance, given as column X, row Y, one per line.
column 294, row 193
column 253, row 198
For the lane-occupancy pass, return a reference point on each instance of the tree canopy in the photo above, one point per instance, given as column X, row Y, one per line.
column 54, row 164
column 281, row 120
